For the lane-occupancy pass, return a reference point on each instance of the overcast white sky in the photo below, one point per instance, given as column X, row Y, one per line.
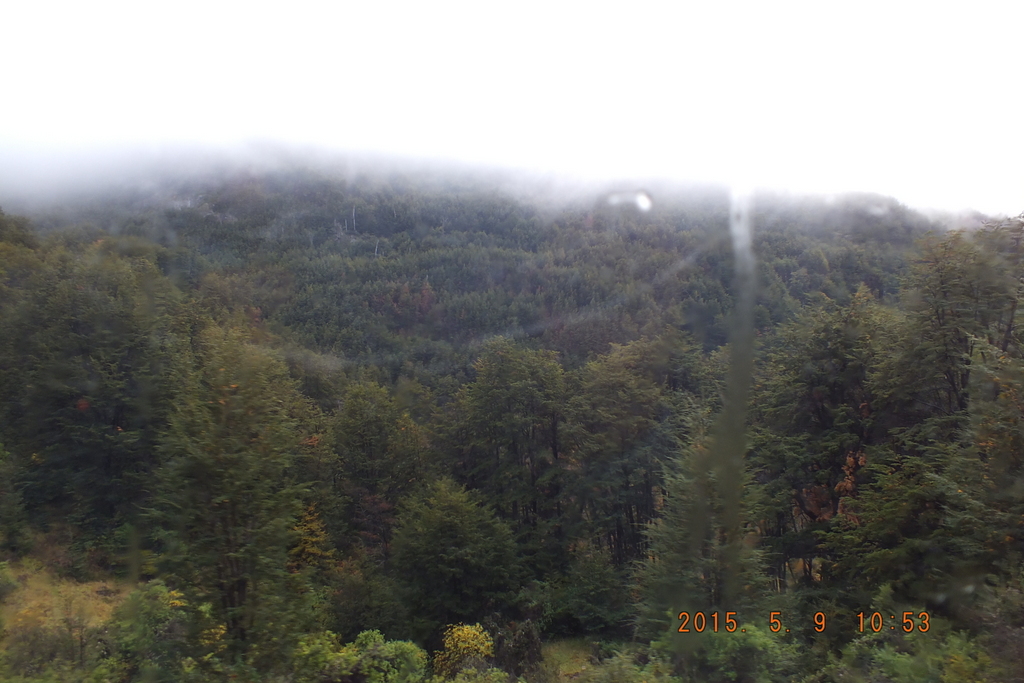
column 923, row 101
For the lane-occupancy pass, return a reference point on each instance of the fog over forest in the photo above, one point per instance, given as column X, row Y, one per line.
column 295, row 417
column 405, row 342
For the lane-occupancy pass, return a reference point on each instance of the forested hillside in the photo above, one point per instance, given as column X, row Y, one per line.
column 284, row 426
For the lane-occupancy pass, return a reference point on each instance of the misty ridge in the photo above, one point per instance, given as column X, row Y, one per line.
column 66, row 189
column 254, row 206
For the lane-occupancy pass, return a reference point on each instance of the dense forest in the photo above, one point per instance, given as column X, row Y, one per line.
column 299, row 427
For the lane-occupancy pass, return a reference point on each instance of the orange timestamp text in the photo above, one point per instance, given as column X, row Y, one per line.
column 718, row 622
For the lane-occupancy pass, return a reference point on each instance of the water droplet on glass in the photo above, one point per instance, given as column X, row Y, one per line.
column 639, row 198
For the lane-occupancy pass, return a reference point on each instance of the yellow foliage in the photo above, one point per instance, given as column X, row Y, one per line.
column 462, row 645
column 174, row 599
column 214, row 637
column 313, row 548
column 566, row 659
column 965, row 669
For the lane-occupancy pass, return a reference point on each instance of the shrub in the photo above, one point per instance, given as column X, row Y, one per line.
column 622, row 668
column 149, row 631
column 464, row 647
column 370, row 658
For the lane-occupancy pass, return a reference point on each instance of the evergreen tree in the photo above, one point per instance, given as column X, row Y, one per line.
column 455, row 560
column 815, row 416
column 83, row 351
column 615, row 414
column 382, row 454
column 13, row 520
column 686, row 568
column 224, row 505
column 507, row 437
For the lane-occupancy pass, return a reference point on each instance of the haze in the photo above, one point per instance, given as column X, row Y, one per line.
column 919, row 101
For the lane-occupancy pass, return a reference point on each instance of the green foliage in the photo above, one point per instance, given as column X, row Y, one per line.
column 15, row 231
column 84, row 348
column 690, row 566
column 381, row 448
column 507, row 440
column 362, row 597
column 370, row 659
column 453, row 558
column 477, row 676
column 138, row 375
column 149, row 633
column 13, row 520
column 224, row 508
column 752, row 655
column 875, row 438
column 616, row 410
column 921, row 524
column 382, row 453
column 997, row 428
column 626, row 668
column 958, row 296
column 815, row 408
column 941, row 654
column 590, row 598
